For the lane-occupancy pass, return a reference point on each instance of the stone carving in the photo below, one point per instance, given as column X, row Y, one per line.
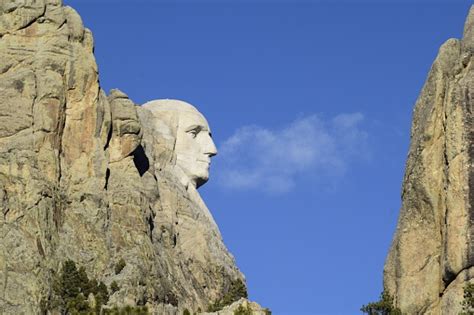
column 96, row 179
column 194, row 146
column 177, row 142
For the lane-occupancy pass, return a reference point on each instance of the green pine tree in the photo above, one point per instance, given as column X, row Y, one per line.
column 383, row 307
column 468, row 302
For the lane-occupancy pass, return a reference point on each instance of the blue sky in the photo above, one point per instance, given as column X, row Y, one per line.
column 312, row 101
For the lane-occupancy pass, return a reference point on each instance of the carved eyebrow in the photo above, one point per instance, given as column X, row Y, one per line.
column 195, row 127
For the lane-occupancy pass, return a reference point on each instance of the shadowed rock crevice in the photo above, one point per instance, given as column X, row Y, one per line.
column 141, row 160
column 151, row 226
column 107, row 177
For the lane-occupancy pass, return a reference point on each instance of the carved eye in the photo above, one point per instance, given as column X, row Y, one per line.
column 194, row 132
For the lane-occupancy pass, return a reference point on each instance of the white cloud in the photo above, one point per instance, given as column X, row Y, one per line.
column 273, row 160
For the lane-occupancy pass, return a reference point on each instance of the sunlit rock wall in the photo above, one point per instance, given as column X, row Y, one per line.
column 432, row 255
column 82, row 178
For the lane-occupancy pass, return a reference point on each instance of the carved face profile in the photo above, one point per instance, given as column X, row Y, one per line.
column 194, row 146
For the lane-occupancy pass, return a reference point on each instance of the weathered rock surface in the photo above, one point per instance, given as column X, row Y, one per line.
column 243, row 304
column 83, row 177
column 432, row 255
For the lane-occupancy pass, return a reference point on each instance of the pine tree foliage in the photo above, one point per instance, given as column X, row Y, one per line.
column 236, row 291
column 468, row 302
column 383, row 307
column 72, row 290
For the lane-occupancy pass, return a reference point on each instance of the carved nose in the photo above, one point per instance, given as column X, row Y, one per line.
column 211, row 149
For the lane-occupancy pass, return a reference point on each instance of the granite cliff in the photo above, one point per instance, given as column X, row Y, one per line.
column 432, row 255
column 87, row 178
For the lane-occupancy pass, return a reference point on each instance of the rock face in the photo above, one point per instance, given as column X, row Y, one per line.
column 432, row 255
column 89, row 177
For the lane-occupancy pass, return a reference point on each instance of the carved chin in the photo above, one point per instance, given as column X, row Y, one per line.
column 201, row 181
column 202, row 178
column 198, row 175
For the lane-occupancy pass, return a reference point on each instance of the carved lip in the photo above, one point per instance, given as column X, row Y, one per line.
column 204, row 161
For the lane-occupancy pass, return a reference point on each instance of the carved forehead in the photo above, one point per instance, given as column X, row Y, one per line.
column 170, row 105
column 185, row 112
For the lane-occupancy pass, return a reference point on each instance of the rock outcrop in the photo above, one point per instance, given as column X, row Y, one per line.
column 432, row 255
column 82, row 178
